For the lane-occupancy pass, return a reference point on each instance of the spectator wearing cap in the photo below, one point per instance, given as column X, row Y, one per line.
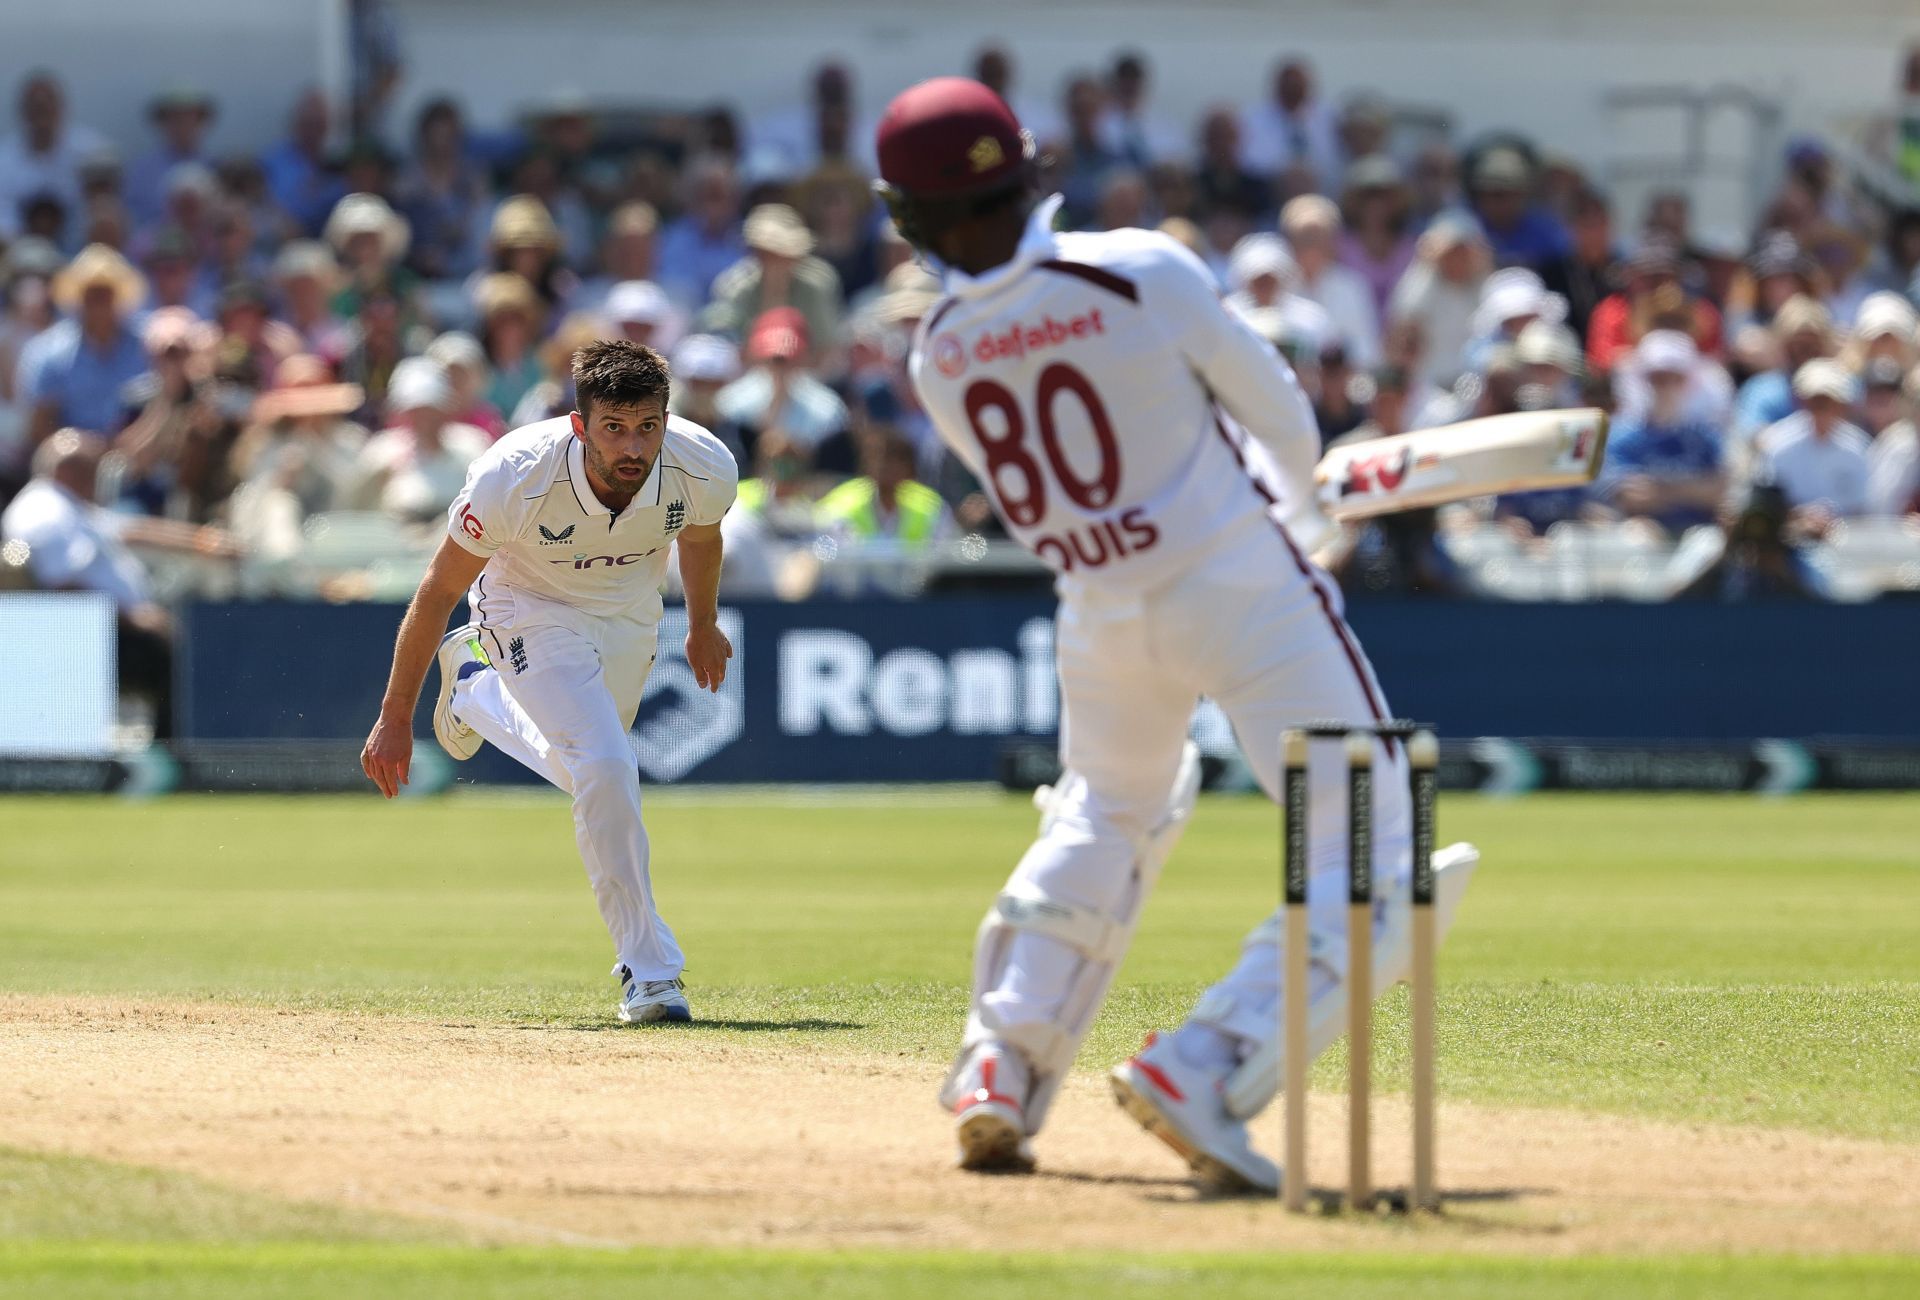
column 1886, row 328
column 705, row 239
column 298, row 456
column 627, row 252
column 512, row 318
column 778, row 271
column 1129, row 124
column 414, row 468
column 1440, row 293
column 465, row 362
column 780, row 393
column 1589, row 272
column 173, row 275
column 1653, row 298
column 305, row 278
column 1776, row 272
column 1510, row 300
column 443, row 192
column 74, row 545
column 886, row 503
column 541, row 174
column 181, row 116
column 74, row 373
column 174, row 426
column 371, row 240
column 639, row 312
column 1662, row 464
column 299, row 177
column 1550, row 357
column 1291, row 135
column 1816, row 456
column 1893, row 466
column 1311, row 224
column 1802, row 332
column 1377, row 242
column 703, row 365
column 43, row 156
column 1500, row 189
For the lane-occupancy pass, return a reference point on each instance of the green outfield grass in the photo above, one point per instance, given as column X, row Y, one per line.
column 1702, row 958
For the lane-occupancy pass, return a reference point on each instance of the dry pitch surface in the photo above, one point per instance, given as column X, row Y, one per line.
column 658, row 1136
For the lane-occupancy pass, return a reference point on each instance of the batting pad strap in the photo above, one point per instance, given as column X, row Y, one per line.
column 1085, row 929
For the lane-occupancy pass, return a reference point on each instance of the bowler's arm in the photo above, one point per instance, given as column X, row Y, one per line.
column 708, row 649
column 389, row 749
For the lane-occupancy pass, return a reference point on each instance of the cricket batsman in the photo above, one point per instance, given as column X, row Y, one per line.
column 1158, row 455
column 559, row 540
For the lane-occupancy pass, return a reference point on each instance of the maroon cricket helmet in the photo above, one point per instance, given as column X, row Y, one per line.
column 949, row 138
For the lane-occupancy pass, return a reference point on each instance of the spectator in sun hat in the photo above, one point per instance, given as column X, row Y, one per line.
column 296, row 458
column 1802, row 331
column 780, row 392
column 181, row 116
column 1549, row 353
column 1260, row 272
column 299, row 176
column 1311, row 225
column 177, row 428
column 465, row 362
column 415, row 467
column 1500, row 189
column 1886, row 328
column 523, row 240
column 1653, row 297
column 628, row 251
column 371, row 241
column 43, row 155
column 73, row 374
column 1510, row 300
column 638, row 311
column 1440, row 293
column 778, row 271
column 1378, row 239
column 1662, row 464
column 512, row 319
column 1817, row 456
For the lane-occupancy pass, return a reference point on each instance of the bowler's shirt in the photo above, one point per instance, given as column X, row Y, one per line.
column 1104, row 397
column 528, row 506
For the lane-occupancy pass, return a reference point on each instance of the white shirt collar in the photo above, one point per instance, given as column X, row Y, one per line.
column 1036, row 245
column 648, row 495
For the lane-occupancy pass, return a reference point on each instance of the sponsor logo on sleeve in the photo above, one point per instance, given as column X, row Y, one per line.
column 470, row 523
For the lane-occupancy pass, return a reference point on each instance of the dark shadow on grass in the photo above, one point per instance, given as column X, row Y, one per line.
column 804, row 1024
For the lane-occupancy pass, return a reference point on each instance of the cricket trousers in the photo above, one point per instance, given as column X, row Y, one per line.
column 1259, row 631
column 561, row 699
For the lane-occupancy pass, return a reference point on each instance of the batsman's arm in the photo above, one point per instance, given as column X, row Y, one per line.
column 389, row 749
column 708, row 649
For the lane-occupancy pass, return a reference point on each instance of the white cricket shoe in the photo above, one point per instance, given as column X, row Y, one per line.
column 646, row 1002
column 461, row 655
column 988, row 1104
column 1185, row 1107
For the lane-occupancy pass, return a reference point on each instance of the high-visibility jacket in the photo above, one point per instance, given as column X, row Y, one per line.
column 854, row 505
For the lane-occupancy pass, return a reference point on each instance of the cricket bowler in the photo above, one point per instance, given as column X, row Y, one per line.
column 559, row 540
column 1159, row 457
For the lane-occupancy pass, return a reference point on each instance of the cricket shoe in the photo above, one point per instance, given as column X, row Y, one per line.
column 461, row 656
column 648, row 1002
column 1185, row 1107
column 989, row 1120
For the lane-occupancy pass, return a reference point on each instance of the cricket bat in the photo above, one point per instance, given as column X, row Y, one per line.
column 1430, row 467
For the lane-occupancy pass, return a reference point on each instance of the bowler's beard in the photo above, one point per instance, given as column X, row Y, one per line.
column 622, row 490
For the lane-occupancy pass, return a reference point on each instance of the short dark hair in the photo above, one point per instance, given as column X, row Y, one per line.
column 614, row 372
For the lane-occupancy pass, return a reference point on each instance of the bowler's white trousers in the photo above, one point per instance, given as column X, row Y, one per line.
column 1260, row 632
column 561, row 698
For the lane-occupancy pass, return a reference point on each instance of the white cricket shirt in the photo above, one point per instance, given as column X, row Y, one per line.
column 1103, row 396
column 527, row 505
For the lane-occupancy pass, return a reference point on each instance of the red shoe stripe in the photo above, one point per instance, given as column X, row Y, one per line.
column 985, row 1093
column 1157, row 1077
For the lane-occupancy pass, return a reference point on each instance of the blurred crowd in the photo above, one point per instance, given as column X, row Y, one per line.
column 212, row 354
